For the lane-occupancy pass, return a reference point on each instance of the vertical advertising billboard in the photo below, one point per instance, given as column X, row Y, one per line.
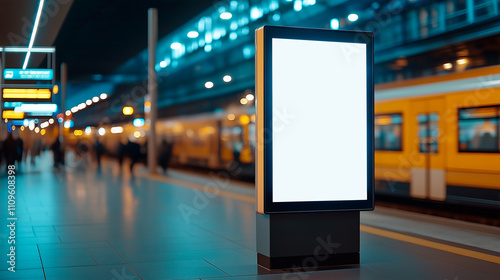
column 314, row 120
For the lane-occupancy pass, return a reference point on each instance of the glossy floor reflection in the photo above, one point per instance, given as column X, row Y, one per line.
column 89, row 223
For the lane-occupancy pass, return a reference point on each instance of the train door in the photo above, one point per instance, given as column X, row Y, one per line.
column 427, row 155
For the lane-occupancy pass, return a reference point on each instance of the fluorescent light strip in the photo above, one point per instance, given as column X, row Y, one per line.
column 33, row 34
column 34, row 50
column 26, row 60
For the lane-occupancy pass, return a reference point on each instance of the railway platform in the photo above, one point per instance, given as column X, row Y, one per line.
column 88, row 223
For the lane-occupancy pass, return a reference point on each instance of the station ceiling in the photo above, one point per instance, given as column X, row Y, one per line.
column 16, row 24
column 93, row 36
column 100, row 35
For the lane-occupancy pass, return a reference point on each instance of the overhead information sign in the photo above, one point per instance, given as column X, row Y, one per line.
column 314, row 120
column 10, row 114
column 20, row 110
column 38, row 109
column 24, row 94
column 28, row 74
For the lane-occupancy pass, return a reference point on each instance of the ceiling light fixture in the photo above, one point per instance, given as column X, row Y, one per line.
column 33, row 34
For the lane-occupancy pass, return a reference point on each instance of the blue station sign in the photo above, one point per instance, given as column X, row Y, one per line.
column 28, row 74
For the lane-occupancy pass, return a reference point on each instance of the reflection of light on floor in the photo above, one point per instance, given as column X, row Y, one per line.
column 88, row 193
column 129, row 204
column 81, row 192
column 248, row 214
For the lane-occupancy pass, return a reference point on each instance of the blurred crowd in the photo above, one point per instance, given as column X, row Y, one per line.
column 129, row 149
column 16, row 150
column 25, row 148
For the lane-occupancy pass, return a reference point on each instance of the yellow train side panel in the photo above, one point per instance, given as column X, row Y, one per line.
column 476, row 180
column 392, row 174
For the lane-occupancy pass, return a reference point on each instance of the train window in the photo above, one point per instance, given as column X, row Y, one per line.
column 481, row 113
column 388, row 132
column 428, row 133
column 478, row 129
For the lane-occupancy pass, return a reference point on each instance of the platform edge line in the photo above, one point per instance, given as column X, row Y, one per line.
column 430, row 244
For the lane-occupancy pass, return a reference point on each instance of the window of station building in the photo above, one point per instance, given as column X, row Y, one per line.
column 485, row 9
column 388, row 132
column 411, row 29
column 430, row 19
column 428, row 133
column 423, row 20
column 456, row 13
column 478, row 129
column 391, row 34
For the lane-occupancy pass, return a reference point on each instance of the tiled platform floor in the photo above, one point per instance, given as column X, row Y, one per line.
column 105, row 224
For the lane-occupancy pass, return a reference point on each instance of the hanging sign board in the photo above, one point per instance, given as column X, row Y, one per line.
column 314, row 120
column 26, row 94
column 28, row 74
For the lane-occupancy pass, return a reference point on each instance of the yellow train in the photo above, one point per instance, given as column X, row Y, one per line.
column 437, row 138
column 222, row 140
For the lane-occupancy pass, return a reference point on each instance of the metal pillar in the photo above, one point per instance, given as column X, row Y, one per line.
column 152, row 87
column 64, row 81
column 2, row 126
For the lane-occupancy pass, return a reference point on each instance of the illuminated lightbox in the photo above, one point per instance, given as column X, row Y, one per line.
column 28, row 74
column 314, row 120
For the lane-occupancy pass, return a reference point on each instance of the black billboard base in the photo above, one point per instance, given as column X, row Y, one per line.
column 308, row 241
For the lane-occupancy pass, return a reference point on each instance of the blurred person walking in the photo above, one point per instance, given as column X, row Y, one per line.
column 35, row 151
column 122, row 149
column 58, row 153
column 99, row 151
column 20, row 149
column 165, row 154
column 134, row 152
column 10, row 150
